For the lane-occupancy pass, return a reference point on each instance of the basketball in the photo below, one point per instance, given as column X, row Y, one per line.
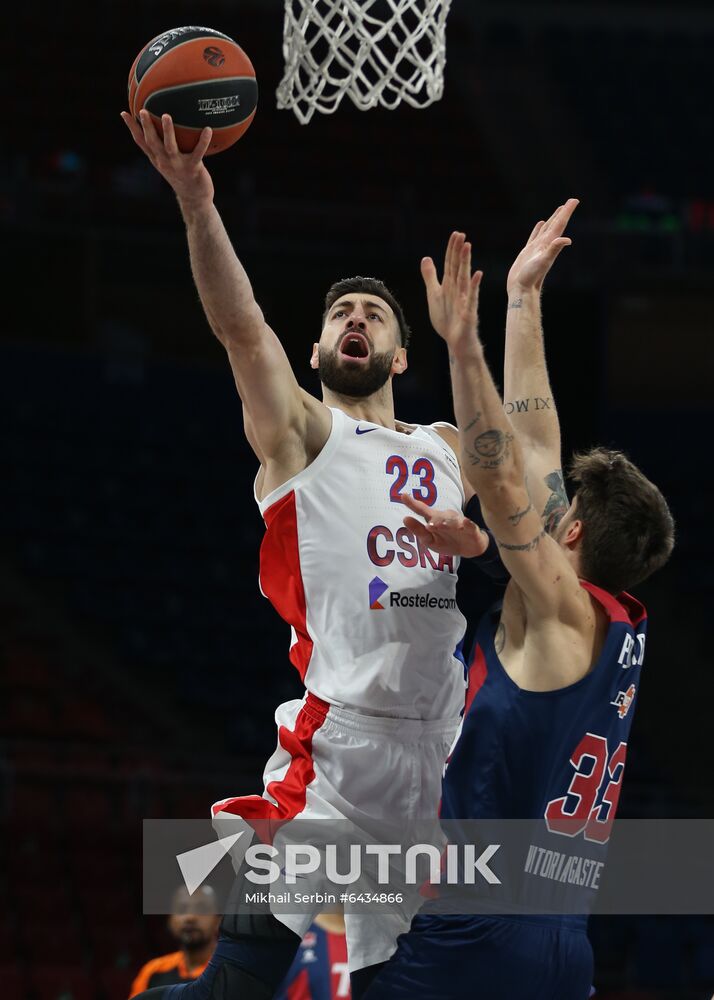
column 200, row 77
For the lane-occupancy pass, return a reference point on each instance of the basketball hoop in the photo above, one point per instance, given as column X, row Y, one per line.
column 375, row 51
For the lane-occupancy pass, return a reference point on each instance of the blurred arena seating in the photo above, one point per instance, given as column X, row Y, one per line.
column 140, row 668
column 629, row 87
column 91, row 746
column 80, row 769
column 137, row 508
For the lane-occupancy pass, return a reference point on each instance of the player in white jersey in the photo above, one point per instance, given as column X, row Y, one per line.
column 374, row 617
column 373, row 613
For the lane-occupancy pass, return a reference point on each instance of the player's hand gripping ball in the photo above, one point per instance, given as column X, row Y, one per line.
column 200, row 77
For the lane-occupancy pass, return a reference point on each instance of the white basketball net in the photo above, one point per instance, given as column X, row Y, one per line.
column 375, row 51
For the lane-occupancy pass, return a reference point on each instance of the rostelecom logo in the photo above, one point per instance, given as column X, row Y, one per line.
column 377, row 587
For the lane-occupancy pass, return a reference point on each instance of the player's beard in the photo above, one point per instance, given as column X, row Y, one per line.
column 354, row 380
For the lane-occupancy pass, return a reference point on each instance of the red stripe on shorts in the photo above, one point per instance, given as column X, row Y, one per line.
column 290, row 792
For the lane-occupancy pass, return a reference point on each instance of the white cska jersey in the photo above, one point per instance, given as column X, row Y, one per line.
column 375, row 626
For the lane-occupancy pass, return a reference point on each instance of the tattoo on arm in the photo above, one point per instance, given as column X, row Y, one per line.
column 499, row 640
column 520, row 514
column 490, row 449
column 516, row 304
column 474, row 421
column 531, row 404
column 557, row 504
column 525, row 547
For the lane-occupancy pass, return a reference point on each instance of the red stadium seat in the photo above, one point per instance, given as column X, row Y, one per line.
column 8, row 928
column 104, row 868
column 27, row 713
column 36, row 864
column 33, row 800
column 88, row 804
column 50, row 898
column 14, row 982
column 51, row 941
column 29, row 668
column 117, row 982
column 117, row 946
column 110, row 903
column 57, row 982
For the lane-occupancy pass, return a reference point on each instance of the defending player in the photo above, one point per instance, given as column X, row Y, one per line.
column 556, row 668
column 373, row 612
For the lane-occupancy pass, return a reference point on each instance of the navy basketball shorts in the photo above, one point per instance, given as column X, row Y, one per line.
column 488, row 958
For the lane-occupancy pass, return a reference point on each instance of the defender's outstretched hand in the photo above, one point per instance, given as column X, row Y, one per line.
column 447, row 532
column 453, row 302
column 185, row 172
column 537, row 256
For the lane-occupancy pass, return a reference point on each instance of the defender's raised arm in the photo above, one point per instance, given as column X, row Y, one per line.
column 492, row 457
column 528, row 399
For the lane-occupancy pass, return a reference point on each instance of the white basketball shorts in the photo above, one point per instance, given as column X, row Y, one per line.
column 336, row 764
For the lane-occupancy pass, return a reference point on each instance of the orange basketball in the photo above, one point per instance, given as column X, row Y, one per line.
column 201, row 78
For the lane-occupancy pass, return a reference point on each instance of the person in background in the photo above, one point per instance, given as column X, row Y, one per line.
column 194, row 923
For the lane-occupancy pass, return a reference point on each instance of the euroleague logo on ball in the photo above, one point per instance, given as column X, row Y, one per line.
column 213, row 56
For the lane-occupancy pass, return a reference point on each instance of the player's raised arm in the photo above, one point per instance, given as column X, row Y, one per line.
column 280, row 418
column 528, row 399
column 492, row 457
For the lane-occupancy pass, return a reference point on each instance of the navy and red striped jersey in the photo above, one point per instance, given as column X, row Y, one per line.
column 555, row 755
column 319, row 971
